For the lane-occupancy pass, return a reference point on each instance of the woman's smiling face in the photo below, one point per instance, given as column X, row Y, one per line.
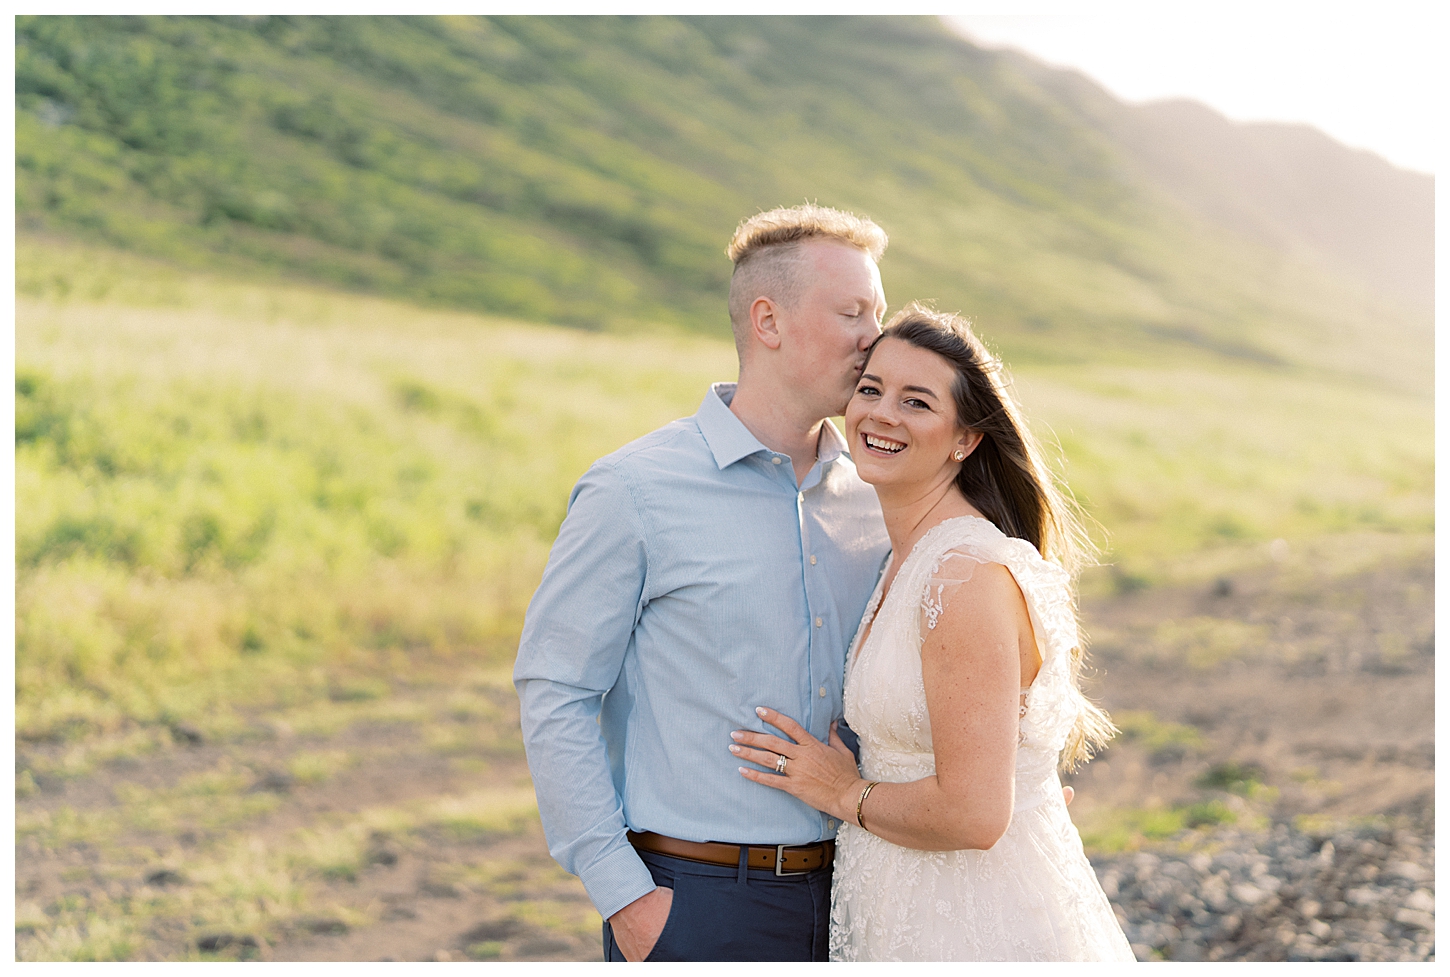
column 902, row 420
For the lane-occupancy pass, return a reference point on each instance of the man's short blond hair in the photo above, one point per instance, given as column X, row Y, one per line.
column 766, row 252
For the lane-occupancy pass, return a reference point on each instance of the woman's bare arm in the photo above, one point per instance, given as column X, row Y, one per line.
column 972, row 671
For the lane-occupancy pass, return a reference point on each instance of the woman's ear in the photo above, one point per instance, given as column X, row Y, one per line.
column 968, row 443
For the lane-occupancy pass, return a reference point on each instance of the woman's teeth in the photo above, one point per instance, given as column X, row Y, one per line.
column 882, row 445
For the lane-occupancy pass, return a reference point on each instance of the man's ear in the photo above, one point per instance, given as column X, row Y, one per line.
column 763, row 322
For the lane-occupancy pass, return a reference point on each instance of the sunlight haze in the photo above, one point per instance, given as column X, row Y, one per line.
column 1371, row 81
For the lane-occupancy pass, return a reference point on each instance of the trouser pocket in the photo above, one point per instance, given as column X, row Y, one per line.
column 665, row 948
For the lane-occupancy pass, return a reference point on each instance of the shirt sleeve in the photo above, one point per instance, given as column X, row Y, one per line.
column 576, row 631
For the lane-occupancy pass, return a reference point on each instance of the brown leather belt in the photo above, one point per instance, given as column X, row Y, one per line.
column 784, row 859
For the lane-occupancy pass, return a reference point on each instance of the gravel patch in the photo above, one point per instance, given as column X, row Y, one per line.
column 1358, row 894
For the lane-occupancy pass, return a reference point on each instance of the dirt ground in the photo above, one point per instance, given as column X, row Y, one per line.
column 424, row 893
column 1323, row 683
column 1320, row 685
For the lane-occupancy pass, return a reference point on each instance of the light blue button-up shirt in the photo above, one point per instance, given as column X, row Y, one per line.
column 692, row 581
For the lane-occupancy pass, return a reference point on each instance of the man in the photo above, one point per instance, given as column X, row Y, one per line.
column 720, row 563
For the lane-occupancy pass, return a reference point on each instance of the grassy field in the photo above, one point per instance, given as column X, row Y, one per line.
column 271, row 496
column 271, row 537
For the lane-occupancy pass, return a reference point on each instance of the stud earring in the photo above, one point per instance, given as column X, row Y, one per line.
column 959, row 455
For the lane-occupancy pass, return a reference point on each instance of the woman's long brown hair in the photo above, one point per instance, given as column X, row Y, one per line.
column 1006, row 478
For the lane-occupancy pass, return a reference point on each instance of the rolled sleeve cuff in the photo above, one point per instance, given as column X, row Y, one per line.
column 616, row 880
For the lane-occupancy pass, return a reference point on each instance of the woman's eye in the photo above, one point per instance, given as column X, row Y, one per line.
column 866, row 390
column 918, row 404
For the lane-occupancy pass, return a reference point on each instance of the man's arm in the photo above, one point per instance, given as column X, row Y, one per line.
column 576, row 630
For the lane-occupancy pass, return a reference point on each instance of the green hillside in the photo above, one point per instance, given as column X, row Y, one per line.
column 587, row 171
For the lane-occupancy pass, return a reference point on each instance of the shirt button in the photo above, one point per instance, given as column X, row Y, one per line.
column 823, row 692
column 813, row 560
column 819, row 622
column 830, row 822
column 775, row 460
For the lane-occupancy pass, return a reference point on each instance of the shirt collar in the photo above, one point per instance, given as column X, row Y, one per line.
column 730, row 440
column 832, row 444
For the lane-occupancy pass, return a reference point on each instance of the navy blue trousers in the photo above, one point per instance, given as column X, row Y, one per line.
column 721, row 913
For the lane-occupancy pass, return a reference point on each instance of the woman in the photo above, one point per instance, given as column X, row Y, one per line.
column 961, row 682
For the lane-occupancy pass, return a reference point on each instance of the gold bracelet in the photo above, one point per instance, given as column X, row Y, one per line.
column 862, row 800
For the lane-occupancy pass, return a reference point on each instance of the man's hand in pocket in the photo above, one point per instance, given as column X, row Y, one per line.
column 637, row 926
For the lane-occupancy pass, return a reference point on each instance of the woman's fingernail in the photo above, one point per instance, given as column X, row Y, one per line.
column 760, row 710
column 737, row 735
column 734, row 748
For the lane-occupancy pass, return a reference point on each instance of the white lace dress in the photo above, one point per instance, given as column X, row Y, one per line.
column 1032, row 895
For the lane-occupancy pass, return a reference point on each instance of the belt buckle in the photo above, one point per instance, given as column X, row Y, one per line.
column 780, row 857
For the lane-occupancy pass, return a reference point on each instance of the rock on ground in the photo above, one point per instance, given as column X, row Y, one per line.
column 1358, row 894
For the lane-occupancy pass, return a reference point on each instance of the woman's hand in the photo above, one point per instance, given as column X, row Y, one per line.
column 824, row 775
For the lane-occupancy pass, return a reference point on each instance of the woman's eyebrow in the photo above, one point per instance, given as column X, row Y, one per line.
column 923, row 390
column 870, row 376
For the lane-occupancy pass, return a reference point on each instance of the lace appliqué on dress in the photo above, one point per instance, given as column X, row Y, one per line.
column 1022, row 714
column 949, row 572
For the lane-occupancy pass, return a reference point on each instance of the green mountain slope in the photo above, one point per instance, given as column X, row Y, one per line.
column 588, row 171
